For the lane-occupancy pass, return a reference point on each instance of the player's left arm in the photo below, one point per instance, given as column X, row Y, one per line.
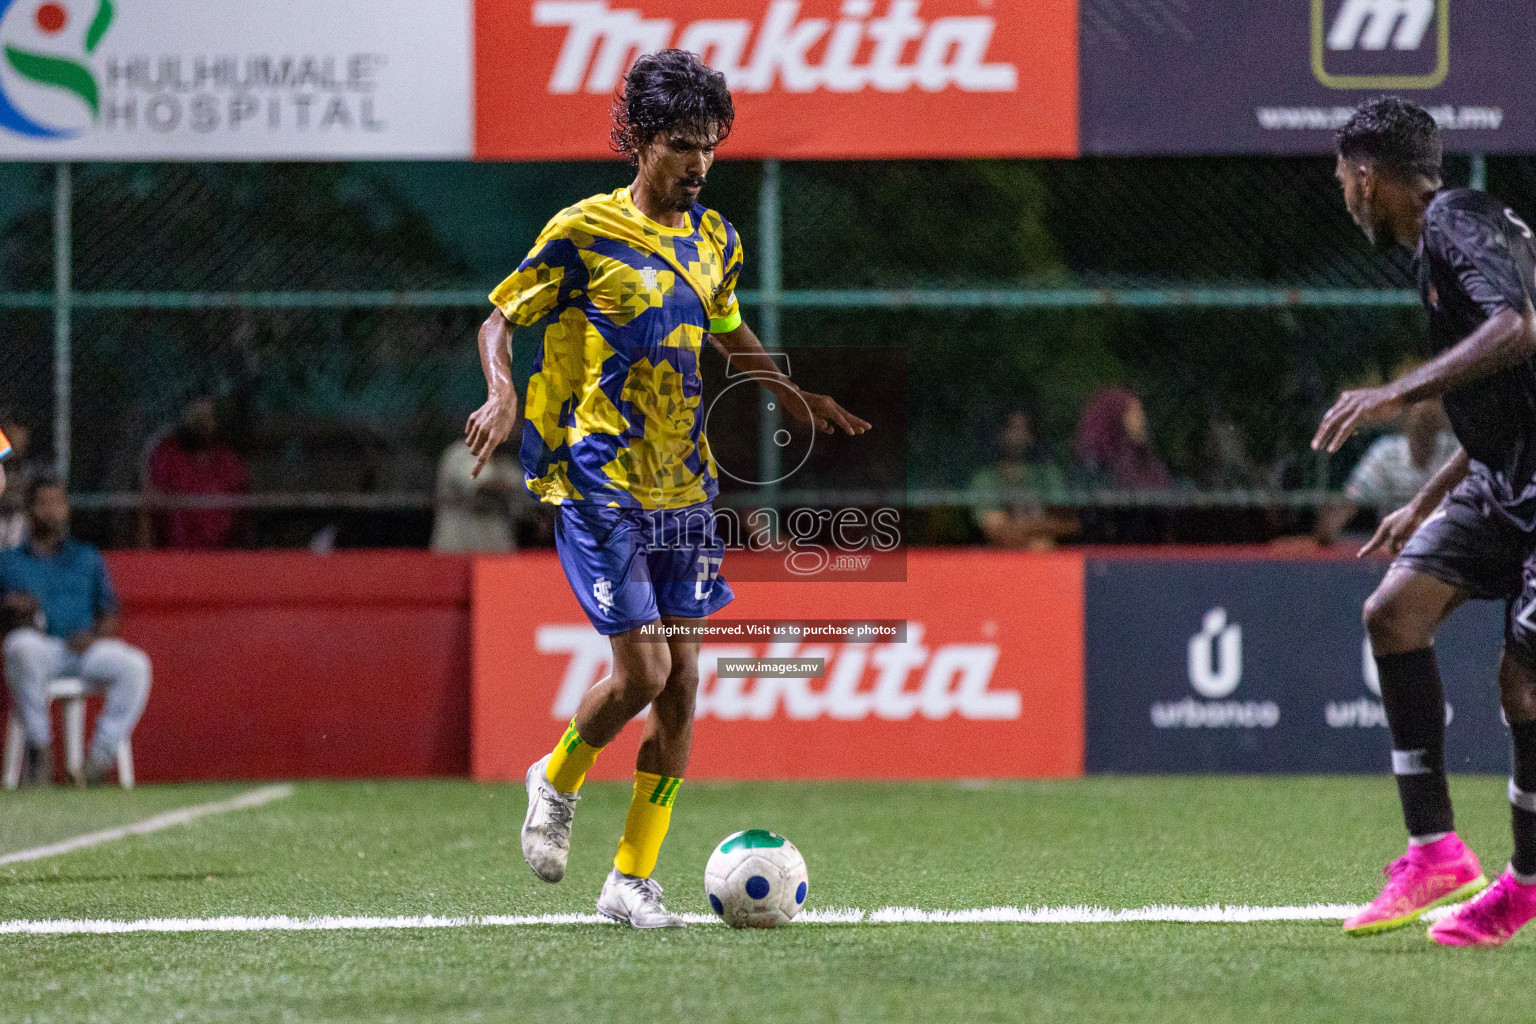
column 742, row 349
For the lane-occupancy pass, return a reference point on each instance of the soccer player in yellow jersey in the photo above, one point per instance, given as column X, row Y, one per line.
column 620, row 292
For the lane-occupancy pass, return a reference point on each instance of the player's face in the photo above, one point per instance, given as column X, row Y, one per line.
column 675, row 165
column 1359, row 183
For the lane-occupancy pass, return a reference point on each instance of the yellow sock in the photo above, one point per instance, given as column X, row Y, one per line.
column 650, row 812
column 572, row 759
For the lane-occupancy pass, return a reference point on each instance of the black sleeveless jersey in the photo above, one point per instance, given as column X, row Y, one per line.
column 1475, row 258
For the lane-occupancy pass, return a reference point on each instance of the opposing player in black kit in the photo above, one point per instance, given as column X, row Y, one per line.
column 1471, row 532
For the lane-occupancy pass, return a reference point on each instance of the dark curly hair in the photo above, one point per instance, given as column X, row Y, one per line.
column 1398, row 136
column 670, row 91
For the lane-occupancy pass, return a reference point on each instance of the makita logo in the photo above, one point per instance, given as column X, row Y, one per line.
column 1371, row 24
column 893, row 52
column 894, row 681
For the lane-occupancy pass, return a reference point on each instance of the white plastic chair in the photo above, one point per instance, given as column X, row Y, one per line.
column 73, row 693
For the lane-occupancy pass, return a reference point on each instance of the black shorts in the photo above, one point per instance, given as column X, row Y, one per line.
column 1471, row 543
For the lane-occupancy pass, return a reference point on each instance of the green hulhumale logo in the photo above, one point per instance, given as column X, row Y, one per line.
column 50, row 20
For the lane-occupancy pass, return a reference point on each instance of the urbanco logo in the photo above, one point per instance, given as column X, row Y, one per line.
column 48, row 90
column 1215, row 666
column 1216, row 656
column 1364, row 712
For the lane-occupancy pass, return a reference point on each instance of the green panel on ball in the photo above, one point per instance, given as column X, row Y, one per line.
column 751, row 839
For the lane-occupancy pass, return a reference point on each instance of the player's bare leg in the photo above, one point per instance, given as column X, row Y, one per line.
column 630, row 894
column 1507, row 905
column 1401, row 618
column 1407, row 609
column 668, row 737
column 641, row 669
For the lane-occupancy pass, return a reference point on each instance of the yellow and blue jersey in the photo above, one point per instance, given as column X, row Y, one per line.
column 621, row 305
column 5, row 446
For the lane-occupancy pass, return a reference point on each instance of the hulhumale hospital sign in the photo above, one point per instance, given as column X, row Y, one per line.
column 813, row 79
column 220, row 79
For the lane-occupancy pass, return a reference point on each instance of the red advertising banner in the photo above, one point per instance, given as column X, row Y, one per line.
column 812, row 79
column 284, row 665
column 988, row 681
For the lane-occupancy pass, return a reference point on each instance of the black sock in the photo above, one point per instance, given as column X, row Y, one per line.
column 1522, row 795
column 1415, row 706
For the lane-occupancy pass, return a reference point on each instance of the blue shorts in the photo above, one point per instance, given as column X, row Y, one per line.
column 630, row 566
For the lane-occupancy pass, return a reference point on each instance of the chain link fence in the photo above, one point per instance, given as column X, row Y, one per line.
column 331, row 309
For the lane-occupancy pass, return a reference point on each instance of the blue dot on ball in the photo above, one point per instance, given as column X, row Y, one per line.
column 714, row 901
column 757, row 887
column 800, row 893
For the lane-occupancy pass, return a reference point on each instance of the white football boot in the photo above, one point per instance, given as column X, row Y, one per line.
column 547, row 826
column 636, row 902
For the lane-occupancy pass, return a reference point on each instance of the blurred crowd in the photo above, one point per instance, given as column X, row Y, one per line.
column 1108, row 483
column 1025, row 496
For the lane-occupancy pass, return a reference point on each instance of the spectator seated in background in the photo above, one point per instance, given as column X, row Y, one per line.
column 1225, row 463
column 478, row 513
column 18, row 472
column 62, row 617
column 1114, row 452
column 192, row 460
column 1392, row 469
column 1114, row 448
column 1011, row 519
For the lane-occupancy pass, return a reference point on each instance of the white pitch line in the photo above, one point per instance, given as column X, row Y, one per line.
column 170, row 819
column 1215, row 914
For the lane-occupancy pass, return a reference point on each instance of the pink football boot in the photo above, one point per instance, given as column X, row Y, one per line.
column 1490, row 919
column 1431, row 875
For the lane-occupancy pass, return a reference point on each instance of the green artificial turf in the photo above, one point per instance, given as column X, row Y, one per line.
column 450, row 848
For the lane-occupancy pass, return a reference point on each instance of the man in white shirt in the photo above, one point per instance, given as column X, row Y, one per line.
column 1392, row 469
column 478, row 514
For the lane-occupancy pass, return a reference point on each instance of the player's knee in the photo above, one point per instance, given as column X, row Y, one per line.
column 683, row 689
column 1392, row 625
column 1517, row 679
column 645, row 677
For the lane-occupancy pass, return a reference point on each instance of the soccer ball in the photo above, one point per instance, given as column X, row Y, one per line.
column 756, row 879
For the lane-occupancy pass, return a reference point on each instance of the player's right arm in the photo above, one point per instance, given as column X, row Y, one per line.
column 1490, row 275
column 492, row 423
column 541, row 286
column 1396, row 528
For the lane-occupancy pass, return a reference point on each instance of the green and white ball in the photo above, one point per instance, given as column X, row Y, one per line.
column 756, row 879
